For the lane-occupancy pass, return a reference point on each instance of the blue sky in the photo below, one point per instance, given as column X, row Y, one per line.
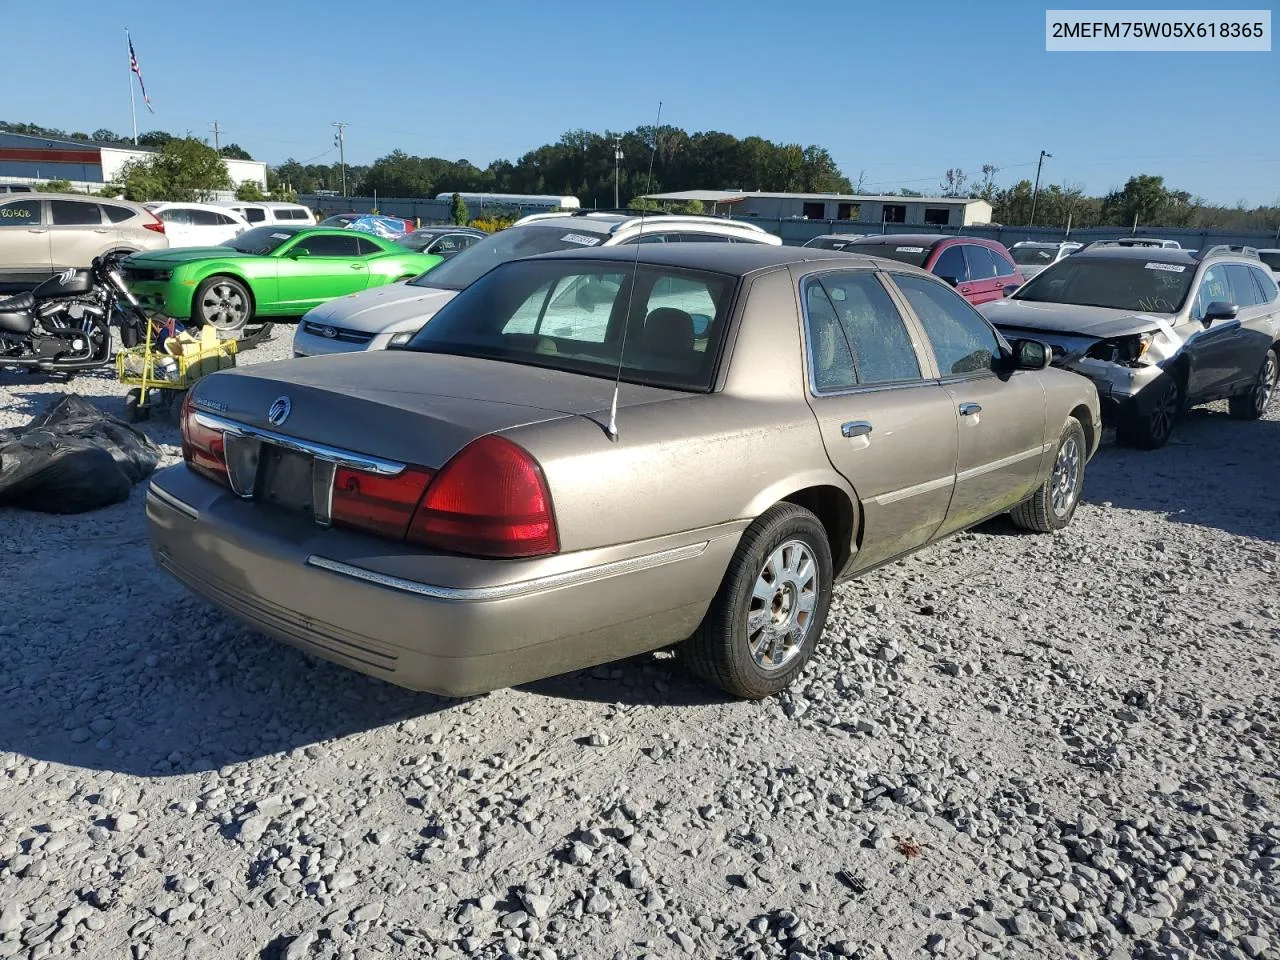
column 896, row 91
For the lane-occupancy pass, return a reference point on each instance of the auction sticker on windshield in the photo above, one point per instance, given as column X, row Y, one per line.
column 1168, row 267
column 580, row 239
column 280, row 236
column 909, row 249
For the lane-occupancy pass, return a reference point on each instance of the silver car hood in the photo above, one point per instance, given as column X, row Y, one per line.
column 1099, row 322
column 391, row 309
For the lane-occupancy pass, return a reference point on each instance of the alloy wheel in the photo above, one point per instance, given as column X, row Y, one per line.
column 783, row 602
column 1164, row 412
column 224, row 306
column 1266, row 384
column 1065, row 483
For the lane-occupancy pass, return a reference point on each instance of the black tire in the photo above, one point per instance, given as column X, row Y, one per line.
column 223, row 303
column 132, row 410
column 721, row 650
column 1152, row 429
column 1252, row 405
column 1053, row 505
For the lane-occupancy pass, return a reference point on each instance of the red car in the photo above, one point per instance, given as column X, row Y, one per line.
column 980, row 270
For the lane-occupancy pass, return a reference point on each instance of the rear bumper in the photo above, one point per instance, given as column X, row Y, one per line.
column 449, row 625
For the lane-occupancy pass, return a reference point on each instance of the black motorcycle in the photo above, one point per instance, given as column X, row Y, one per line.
column 64, row 324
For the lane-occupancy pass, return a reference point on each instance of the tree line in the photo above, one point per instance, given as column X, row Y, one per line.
column 581, row 163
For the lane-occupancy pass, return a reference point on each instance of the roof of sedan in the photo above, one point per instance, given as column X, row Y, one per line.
column 1157, row 254
column 920, row 238
column 737, row 259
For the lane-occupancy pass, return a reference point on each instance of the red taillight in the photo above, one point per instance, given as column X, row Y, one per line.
column 490, row 500
column 375, row 504
column 203, row 448
column 155, row 223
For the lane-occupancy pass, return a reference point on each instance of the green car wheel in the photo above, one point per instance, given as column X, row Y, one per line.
column 222, row 303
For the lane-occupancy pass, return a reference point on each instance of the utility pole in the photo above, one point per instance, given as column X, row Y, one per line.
column 217, row 133
column 1036, row 190
column 340, row 140
column 617, row 158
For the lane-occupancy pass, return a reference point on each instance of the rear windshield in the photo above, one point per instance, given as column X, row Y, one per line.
column 510, row 244
column 260, row 240
column 1033, row 256
column 830, row 243
column 570, row 314
column 1271, row 258
column 418, row 240
column 1146, row 286
column 911, row 253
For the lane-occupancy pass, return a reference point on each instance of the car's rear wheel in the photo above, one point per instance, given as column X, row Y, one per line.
column 224, row 304
column 1053, row 505
column 1152, row 429
column 1252, row 405
column 771, row 607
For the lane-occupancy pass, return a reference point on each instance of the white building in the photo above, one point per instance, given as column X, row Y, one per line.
column 871, row 209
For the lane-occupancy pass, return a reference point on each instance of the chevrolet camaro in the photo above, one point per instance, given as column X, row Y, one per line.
column 591, row 454
column 267, row 272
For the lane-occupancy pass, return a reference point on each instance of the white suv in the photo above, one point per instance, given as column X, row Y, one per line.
column 373, row 319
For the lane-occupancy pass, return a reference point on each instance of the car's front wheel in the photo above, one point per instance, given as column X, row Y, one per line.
column 1150, row 429
column 223, row 303
column 1252, row 405
column 1053, row 505
column 771, row 607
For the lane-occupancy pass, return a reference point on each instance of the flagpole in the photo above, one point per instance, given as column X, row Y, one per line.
column 133, row 107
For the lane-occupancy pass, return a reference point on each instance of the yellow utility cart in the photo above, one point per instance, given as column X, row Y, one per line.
column 158, row 376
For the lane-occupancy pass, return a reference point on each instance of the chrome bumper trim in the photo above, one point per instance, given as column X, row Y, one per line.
column 519, row 588
column 345, row 458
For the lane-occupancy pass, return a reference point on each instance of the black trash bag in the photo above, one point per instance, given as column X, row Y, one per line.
column 72, row 458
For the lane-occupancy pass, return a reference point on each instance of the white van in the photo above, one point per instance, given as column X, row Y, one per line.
column 269, row 212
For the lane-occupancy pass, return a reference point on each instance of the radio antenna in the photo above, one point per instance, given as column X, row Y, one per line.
column 612, row 429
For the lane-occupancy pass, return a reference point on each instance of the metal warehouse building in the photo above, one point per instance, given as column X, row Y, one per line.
column 858, row 208
column 89, row 165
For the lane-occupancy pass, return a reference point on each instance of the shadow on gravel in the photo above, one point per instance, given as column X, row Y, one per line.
column 657, row 680
column 1215, row 472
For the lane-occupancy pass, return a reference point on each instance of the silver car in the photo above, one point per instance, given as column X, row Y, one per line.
column 1157, row 330
column 1032, row 256
column 390, row 315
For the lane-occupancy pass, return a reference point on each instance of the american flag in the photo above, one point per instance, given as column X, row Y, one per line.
column 133, row 65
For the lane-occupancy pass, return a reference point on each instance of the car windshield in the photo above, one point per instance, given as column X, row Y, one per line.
column 418, row 240
column 830, row 243
column 569, row 315
column 1033, row 256
column 903, row 251
column 510, row 244
column 1271, row 258
column 259, row 240
column 1132, row 283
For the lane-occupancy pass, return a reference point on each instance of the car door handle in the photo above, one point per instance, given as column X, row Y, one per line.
column 357, row 266
column 33, row 230
column 970, row 409
column 100, row 230
column 855, row 428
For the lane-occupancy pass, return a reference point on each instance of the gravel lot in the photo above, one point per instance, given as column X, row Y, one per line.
column 1009, row 745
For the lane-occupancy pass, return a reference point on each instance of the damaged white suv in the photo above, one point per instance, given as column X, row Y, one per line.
column 1156, row 330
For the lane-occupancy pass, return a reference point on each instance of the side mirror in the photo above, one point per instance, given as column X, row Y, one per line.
column 1220, row 310
column 954, row 281
column 1011, row 289
column 1031, row 355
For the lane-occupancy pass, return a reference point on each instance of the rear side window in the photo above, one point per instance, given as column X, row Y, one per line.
column 178, row 215
column 1266, row 286
column 1244, row 292
column 963, row 343
column 20, row 213
column 366, row 247
column 73, row 213
column 254, row 215
column 855, row 333
column 116, row 213
column 1004, row 264
column 207, row 218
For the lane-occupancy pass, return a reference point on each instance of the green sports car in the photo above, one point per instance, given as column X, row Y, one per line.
column 265, row 272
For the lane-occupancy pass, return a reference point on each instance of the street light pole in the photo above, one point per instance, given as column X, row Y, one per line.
column 617, row 157
column 342, row 152
column 1036, row 190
